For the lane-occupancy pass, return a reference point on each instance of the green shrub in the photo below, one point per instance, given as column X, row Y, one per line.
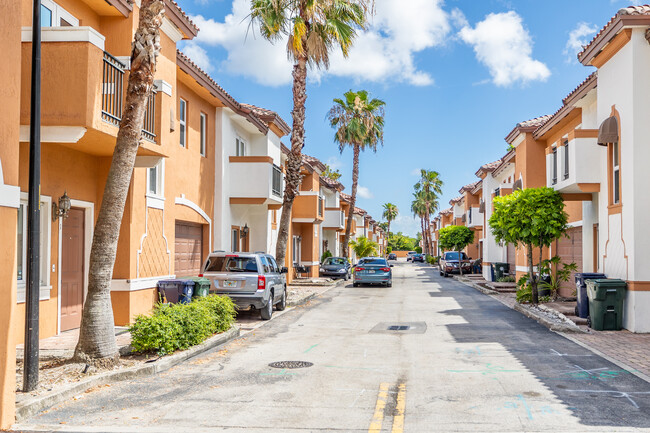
column 179, row 326
column 508, row 279
column 326, row 254
column 389, row 250
column 418, row 249
column 432, row 260
column 525, row 292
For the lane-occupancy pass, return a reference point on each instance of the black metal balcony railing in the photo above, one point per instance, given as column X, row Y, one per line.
column 149, row 125
column 276, row 186
column 321, row 205
column 112, row 89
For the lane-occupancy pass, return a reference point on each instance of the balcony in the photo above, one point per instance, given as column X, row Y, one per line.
column 334, row 219
column 82, row 92
column 255, row 180
column 474, row 217
column 575, row 171
column 308, row 207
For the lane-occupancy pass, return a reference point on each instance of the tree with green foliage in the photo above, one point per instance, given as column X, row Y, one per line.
column 456, row 238
column 364, row 247
column 390, row 213
column 532, row 217
column 359, row 124
column 400, row 242
column 331, row 174
column 428, row 190
column 313, row 28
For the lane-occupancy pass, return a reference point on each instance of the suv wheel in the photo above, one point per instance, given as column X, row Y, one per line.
column 267, row 311
column 283, row 302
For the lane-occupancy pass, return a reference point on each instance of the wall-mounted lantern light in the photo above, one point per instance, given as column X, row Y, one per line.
column 244, row 231
column 61, row 210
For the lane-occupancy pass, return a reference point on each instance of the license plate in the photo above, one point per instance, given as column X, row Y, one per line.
column 230, row 283
column 371, row 272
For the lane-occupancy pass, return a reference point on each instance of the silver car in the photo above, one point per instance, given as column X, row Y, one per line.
column 251, row 280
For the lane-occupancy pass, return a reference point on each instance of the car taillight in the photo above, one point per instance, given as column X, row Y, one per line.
column 360, row 269
column 385, row 269
column 261, row 282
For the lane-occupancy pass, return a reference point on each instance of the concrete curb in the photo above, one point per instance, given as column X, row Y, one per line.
column 33, row 405
column 546, row 322
column 483, row 290
column 308, row 298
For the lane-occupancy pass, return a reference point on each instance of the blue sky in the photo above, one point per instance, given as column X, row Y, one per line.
column 456, row 75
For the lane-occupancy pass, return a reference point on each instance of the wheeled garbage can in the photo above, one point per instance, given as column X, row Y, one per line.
column 175, row 291
column 201, row 287
column 582, row 307
column 606, row 304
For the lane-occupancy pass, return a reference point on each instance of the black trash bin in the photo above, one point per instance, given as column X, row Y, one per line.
column 582, row 307
column 176, row 291
column 500, row 270
column 606, row 299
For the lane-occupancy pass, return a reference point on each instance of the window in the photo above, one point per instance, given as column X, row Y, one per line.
column 554, row 166
column 566, row 159
column 274, row 265
column 616, row 175
column 266, row 265
column 234, row 243
column 21, row 250
column 296, row 251
column 204, row 121
column 182, row 113
column 240, row 147
column 53, row 15
column 155, row 179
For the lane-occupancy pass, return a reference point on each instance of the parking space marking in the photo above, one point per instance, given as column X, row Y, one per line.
column 398, row 419
column 378, row 417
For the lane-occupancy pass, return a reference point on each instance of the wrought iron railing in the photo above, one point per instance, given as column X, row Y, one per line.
column 149, row 125
column 276, row 181
column 112, row 89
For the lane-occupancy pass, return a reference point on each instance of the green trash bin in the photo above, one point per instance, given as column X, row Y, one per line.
column 606, row 304
column 201, row 287
column 500, row 270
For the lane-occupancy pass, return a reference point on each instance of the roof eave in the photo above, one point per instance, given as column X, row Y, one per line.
column 598, row 44
column 175, row 15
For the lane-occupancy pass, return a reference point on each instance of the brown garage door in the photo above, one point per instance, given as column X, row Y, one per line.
column 570, row 250
column 189, row 249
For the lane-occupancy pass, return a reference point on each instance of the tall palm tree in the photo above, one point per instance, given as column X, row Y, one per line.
column 97, row 332
column 430, row 185
column 390, row 213
column 313, row 28
column 359, row 123
column 418, row 208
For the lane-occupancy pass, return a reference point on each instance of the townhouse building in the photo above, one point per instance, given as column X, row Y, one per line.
column 473, row 217
column 333, row 227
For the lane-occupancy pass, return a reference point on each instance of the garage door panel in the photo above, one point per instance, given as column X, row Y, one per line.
column 570, row 251
column 189, row 249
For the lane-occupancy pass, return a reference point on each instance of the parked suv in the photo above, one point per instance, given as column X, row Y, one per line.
column 449, row 263
column 251, row 280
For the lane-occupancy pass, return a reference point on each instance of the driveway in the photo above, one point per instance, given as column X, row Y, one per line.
column 427, row 355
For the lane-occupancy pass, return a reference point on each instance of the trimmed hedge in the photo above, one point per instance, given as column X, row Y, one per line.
column 174, row 327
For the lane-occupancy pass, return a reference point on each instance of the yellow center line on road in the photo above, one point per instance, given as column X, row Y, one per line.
column 400, row 408
column 378, row 417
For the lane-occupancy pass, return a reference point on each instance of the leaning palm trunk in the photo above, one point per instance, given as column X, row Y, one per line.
column 292, row 174
column 97, row 333
column 353, row 199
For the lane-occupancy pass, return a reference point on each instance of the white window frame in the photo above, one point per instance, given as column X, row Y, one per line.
column 182, row 121
column 45, row 250
column 156, row 199
column 240, row 146
column 58, row 13
column 204, row 130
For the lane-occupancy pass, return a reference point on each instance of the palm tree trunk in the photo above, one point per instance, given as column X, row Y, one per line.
column 424, row 242
column 353, row 200
column 97, row 333
column 294, row 162
column 388, row 238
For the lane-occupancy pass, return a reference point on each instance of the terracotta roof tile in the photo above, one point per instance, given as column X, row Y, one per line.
column 313, row 162
column 334, row 184
column 453, row 201
column 268, row 115
column 346, row 197
column 587, row 81
column 538, row 121
column 469, row 187
column 185, row 16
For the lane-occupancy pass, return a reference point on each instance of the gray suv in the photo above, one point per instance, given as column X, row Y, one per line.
column 251, row 280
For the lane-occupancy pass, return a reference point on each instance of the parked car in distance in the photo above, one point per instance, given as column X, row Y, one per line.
column 409, row 255
column 251, row 280
column 449, row 263
column 373, row 270
column 418, row 258
column 392, row 256
column 335, row 267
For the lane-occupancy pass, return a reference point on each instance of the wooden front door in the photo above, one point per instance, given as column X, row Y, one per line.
column 72, row 269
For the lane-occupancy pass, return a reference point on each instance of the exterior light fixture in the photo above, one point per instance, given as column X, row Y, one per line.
column 244, row 231
column 61, row 210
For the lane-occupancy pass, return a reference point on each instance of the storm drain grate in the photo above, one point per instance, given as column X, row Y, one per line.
column 398, row 328
column 291, row 364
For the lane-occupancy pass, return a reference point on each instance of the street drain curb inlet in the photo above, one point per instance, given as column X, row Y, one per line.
column 291, row 364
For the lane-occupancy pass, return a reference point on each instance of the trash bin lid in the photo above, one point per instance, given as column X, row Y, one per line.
column 590, row 276
column 613, row 282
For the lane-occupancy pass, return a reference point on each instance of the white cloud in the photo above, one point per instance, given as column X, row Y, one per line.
column 415, row 172
column 198, row 55
column 364, row 192
column 578, row 37
column 406, row 224
column 334, row 162
column 502, row 43
column 384, row 52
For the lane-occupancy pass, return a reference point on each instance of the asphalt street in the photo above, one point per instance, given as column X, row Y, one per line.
column 427, row 355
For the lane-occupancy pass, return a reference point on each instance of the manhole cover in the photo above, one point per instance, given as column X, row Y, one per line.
column 291, row 364
column 398, row 328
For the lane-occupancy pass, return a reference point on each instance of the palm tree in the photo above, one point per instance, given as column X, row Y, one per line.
column 390, row 213
column 430, row 185
column 97, row 332
column 418, row 208
column 363, row 247
column 313, row 28
column 359, row 123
